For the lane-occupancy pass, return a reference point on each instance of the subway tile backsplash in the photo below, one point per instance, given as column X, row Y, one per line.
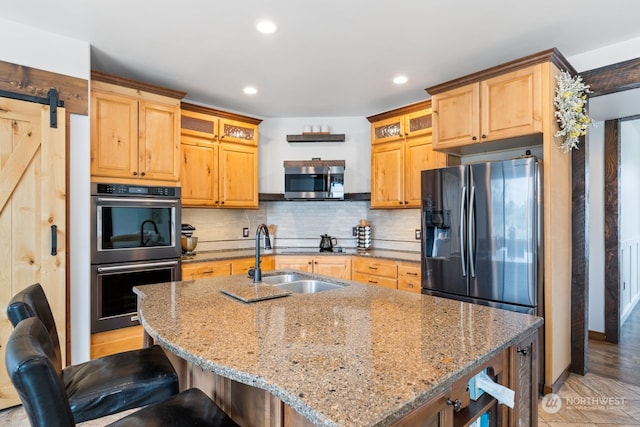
column 301, row 223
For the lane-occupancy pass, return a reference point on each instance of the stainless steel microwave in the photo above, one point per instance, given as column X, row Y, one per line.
column 314, row 179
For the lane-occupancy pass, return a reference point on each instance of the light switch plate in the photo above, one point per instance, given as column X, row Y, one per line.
column 245, row 232
column 418, row 234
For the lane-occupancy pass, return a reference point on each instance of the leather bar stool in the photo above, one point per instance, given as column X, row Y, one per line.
column 106, row 385
column 31, row 362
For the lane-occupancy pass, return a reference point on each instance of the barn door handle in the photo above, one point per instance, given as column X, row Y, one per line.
column 54, row 240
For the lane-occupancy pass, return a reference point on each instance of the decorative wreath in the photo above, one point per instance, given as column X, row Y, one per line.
column 571, row 112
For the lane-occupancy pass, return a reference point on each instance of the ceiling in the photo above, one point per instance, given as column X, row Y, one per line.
column 328, row 58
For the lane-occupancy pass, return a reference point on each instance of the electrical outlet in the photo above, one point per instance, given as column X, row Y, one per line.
column 354, row 231
column 245, row 232
column 418, row 234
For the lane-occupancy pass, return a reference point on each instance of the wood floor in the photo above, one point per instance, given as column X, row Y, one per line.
column 609, row 395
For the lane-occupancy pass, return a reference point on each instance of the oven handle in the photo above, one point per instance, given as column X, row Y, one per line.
column 135, row 200
column 130, row 266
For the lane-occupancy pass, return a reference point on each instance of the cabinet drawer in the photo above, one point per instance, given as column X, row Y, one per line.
column 376, row 267
column 242, row 265
column 370, row 279
column 202, row 270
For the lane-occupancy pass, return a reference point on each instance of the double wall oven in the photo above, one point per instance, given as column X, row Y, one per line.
column 135, row 240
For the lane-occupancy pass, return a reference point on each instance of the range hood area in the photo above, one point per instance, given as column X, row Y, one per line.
column 314, row 180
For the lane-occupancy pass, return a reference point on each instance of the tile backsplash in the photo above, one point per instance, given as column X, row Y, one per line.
column 301, row 223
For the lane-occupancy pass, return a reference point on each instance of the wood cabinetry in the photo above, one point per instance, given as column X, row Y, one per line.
column 378, row 272
column 219, row 158
column 409, row 277
column 505, row 106
column 338, row 266
column 400, row 149
column 134, row 131
column 226, row 267
column 116, row 341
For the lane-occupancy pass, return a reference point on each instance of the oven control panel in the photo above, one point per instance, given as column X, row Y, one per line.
column 134, row 190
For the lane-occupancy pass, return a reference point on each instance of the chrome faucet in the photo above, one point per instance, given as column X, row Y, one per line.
column 256, row 272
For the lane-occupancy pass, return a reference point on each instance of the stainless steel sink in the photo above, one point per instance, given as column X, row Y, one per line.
column 309, row 286
column 283, row 278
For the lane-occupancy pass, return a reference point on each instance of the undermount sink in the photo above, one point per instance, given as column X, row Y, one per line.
column 283, row 278
column 308, row 286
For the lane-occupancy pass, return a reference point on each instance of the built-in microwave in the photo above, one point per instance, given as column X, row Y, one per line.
column 314, row 179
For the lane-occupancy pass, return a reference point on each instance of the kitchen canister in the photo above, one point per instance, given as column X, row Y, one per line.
column 364, row 235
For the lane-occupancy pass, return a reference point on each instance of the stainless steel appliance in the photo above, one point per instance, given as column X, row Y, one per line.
column 135, row 240
column 481, row 229
column 314, row 179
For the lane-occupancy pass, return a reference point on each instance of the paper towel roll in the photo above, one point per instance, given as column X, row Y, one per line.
column 504, row 394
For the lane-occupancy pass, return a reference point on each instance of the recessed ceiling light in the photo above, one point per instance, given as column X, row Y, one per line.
column 249, row 90
column 400, row 80
column 266, row 27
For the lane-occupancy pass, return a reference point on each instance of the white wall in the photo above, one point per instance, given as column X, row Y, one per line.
column 46, row 51
column 355, row 150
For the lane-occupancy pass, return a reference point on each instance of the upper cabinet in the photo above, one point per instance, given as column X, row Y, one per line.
column 401, row 148
column 219, row 158
column 135, row 130
column 505, row 106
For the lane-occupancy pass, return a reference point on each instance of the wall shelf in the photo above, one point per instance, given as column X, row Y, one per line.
column 317, row 137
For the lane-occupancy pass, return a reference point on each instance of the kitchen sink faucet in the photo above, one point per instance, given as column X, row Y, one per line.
column 256, row 272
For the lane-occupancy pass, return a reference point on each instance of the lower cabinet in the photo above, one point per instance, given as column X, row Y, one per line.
column 337, row 266
column 116, row 341
column 227, row 267
column 409, row 277
column 375, row 271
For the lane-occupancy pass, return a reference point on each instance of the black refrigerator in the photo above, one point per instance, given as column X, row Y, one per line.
column 482, row 234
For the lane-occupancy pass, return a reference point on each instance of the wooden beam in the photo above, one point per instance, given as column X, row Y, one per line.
column 35, row 82
column 613, row 78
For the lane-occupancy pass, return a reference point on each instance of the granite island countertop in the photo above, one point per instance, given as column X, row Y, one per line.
column 360, row 355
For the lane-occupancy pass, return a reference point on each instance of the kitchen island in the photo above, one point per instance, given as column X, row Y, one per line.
column 358, row 355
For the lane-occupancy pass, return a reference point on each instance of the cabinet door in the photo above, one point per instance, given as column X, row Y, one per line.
column 511, row 104
column 238, row 176
column 418, row 123
column 387, row 130
column 300, row 263
column 239, row 132
column 114, row 135
column 419, row 156
column 387, row 175
column 334, row 266
column 159, row 149
column 199, row 171
column 456, row 117
column 201, row 270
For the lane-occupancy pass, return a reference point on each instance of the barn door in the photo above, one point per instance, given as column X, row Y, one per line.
column 32, row 214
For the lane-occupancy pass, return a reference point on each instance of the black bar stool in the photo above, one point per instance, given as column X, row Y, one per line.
column 106, row 385
column 31, row 362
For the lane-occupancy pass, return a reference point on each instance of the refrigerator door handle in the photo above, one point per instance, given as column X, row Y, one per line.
column 471, row 232
column 463, row 259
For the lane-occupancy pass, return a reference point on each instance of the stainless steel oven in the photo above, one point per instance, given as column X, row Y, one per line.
column 135, row 240
column 134, row 223
column 114, row 305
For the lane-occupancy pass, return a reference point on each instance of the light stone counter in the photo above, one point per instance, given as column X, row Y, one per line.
column 357, row 356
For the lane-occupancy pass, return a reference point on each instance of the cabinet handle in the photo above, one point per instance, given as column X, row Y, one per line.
column 315, row 262
column 142, row 173
column 221, row 137
column 524, row 350
column 484, row 136
column 135, row 173
column 54, row 240
column 400, row 202
column 373, row 282
column 410, row 285
column 474, row 138
column 309, row 262
column 371, row 267
column 457, row 404
column 411, row 274
column 222, row 202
